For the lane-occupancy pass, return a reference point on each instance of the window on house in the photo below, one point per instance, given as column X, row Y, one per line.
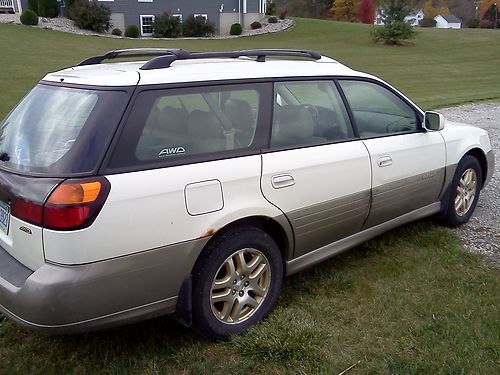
column 179, row 16
column 145, row 1
column 201, row 15
column 147, row 25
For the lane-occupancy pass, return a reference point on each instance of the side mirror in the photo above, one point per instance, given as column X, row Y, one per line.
column 433, row 121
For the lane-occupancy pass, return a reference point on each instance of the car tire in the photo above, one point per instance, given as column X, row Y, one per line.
column 464, row 192
column 236, row 282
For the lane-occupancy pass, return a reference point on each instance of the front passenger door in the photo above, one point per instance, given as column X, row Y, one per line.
column 408, row 163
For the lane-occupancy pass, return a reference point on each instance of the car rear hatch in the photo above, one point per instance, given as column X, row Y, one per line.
column 56, row 134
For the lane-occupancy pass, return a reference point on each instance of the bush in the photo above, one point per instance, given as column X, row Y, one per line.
column 167, row 26
column 271, row 9
column 116, row 32
column 69, row 3
column 29, row 18
column 427, row 22
column 473, row 23
column 486, row 24
column 33, row 5
column 283, row 14
column 197, row 26
column 235, row 29
column 91, row 16
column 48, row 8
column 255, row 25
column 132, row 31
column 272, row 19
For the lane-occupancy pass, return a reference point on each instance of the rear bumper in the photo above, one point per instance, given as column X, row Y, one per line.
column 68, row 299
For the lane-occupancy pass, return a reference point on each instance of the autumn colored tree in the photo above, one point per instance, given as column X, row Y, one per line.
column 433, row 8
column 485, row 6
column 366, row 13
column 345, row 10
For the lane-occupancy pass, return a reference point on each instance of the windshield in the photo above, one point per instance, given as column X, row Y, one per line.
column 59, row 130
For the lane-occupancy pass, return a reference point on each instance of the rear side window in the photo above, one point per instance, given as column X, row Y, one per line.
column 168, row 125
column 58, row 130
column 378, row 111
column 308, row 113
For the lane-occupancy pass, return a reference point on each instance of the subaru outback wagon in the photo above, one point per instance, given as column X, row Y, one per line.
column 192, row 183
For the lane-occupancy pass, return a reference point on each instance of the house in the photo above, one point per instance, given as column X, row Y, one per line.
column 447, row 21
column 223, row 13
column 414, row 18
column 10, row 6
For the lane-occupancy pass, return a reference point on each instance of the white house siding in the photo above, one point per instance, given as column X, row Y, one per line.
column 441, row 23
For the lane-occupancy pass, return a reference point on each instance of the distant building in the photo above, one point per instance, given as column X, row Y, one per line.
column 142, row 13
column 414, row 18
column 447, row 21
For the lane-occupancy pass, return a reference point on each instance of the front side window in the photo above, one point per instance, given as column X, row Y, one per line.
column 307, row 113
column 378, row 111
column 166, row 125
column 59, row 130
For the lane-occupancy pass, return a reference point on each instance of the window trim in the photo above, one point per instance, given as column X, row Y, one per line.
column 258, row 143
column 204, row 15
column 266, row 125
column 178, row 15
column 142, row 24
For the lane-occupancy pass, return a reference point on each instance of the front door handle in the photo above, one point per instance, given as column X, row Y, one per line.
column 282, row 180
column 384, row 161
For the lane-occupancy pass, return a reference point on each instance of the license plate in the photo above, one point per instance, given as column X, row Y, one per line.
column 4, row 217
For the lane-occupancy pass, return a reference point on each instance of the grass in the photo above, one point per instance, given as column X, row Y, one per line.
column 443, row 67
column 408, row 302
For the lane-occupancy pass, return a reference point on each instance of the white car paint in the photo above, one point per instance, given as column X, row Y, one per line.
column 146, row 210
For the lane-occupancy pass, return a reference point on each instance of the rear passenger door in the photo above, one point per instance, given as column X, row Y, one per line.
column 315, row 171
column 408, row 163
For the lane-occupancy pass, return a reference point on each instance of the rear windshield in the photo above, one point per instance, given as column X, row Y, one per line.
column 59, row 131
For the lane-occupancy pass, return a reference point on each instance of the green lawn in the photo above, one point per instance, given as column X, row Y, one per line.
column 409, row 302
column 443, row 67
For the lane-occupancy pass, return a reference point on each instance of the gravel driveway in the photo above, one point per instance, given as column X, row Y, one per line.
column 482, row 233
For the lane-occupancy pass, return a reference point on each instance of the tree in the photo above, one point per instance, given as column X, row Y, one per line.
column 366, row 13
column 345, row 10
column 395, row 29
column 489, row 17
column 433, row 8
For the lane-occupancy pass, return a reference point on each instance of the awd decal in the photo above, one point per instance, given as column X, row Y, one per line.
column 172, row 151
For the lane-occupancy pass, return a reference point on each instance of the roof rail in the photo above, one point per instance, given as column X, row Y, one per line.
column 165, row 60
column 134, row 52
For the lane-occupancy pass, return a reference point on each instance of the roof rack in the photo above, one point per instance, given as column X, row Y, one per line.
column 259, row 54
column 165, row 57
column 134, row 52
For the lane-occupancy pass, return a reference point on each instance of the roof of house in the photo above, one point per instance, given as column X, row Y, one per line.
column 450, row 18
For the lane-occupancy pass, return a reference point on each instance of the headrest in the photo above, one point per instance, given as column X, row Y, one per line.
column 239, row 113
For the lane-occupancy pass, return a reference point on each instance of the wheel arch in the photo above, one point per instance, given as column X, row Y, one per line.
column 278, row 228
column 478, row 153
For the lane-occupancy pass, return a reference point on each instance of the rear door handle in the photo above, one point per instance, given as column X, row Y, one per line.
column 282, row 180
column 384, row 161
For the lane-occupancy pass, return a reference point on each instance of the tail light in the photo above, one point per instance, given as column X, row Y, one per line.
column 73, row 204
